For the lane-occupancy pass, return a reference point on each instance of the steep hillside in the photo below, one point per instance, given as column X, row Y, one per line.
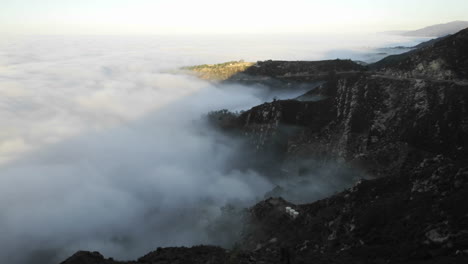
column 444, row 60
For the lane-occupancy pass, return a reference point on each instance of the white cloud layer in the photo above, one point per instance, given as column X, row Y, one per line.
column 103, row 148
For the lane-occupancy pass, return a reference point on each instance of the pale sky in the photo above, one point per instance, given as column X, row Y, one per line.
column 218, row 16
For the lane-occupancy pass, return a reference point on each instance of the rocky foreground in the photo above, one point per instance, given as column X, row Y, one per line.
column 404, row 122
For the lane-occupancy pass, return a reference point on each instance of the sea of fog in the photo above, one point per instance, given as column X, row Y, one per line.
column 103, row 147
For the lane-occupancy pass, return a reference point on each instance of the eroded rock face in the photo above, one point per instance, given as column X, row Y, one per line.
column 370, row 121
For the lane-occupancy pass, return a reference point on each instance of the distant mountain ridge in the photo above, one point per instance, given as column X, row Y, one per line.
column 438, row 30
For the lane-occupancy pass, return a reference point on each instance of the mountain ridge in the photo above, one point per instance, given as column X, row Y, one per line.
column 404, row 123
column 438, row 30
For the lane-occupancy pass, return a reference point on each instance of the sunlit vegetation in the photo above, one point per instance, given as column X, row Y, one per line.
column 222, row 71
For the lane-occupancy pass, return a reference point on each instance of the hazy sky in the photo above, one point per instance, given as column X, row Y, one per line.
column 215, row 16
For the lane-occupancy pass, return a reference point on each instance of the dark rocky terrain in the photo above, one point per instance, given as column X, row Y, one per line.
column 403, row 123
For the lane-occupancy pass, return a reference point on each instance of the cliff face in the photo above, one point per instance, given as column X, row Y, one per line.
column 370, row 119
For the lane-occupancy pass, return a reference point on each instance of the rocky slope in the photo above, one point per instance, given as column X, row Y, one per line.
column 404, row 123
column 417, row 216
column 443, row 60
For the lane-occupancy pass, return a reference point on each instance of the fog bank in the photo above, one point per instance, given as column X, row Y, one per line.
column 103, row 148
